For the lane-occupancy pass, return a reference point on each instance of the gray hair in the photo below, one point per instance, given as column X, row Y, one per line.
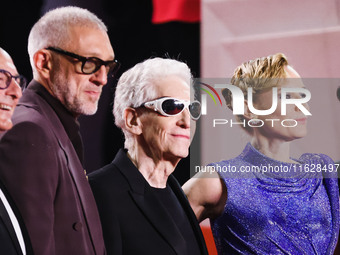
column 52, row 29
column 137, row 86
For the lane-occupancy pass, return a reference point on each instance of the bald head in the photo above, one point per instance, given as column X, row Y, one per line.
column 6, row 62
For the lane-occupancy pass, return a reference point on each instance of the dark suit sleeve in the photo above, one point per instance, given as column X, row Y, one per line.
column 108, row 215
column 29, row 170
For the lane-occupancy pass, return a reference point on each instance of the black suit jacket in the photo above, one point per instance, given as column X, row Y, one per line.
column 9, row 243
column 134, row 220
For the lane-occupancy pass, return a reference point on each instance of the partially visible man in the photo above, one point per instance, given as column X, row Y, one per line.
column 41, row 156
column 10, row 90
column 13, row 238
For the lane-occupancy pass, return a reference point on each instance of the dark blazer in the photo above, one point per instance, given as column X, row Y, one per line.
column 133, row 219
column 46, row 180
column 9, row 243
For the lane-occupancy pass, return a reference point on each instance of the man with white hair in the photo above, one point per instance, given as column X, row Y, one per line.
column 41, row 157
column 142, row 207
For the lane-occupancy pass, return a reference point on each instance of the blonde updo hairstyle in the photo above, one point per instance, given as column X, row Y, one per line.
column 259, row 74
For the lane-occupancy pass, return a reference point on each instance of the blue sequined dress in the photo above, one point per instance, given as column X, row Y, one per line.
column 291, row 209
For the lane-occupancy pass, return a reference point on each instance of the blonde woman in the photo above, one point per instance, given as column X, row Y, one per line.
column 269, row 212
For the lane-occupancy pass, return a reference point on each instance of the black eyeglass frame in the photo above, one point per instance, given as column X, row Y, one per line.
column 83, row 61
column 15, row 77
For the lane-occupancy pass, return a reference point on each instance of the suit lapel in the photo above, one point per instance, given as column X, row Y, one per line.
column 176, row 188
column 9, row 226
column 86, row 198
column 149, row 204
column 155, row 212
column 28, row 246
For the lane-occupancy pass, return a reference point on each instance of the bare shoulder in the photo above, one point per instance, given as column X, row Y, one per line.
column 205, row 187
column 207, row 194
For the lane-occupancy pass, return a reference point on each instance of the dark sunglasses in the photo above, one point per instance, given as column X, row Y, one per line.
column 90, row 65
column 6, row 79
column 169, row 106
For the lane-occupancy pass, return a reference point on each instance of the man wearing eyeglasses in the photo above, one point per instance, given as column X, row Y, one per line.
column 41, row 157
column 142, row 206
column 13, row 237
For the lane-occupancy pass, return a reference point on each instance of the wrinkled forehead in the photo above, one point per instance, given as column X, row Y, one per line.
column 172, row 86
column 89, row 41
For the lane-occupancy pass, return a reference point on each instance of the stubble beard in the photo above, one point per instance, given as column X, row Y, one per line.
column 76, row 104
